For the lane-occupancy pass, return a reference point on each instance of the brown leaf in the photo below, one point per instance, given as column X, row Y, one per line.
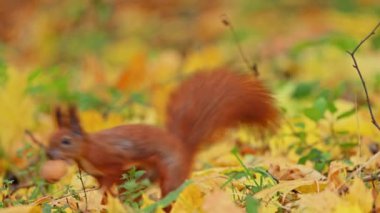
column 285, row 174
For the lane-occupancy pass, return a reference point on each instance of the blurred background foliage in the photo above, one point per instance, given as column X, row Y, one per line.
column 98, row 52
column 110, row 56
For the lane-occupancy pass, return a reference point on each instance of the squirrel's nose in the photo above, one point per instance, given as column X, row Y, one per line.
column 52, row 154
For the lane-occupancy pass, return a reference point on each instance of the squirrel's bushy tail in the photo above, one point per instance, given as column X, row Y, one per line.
column 212, row 101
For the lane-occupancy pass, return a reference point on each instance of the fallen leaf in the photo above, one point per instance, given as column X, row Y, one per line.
column 336, row 175
column 19, row 209
column 324, row 201
column 359, row 195
column 285, row 174
column 190, row 200
column 285, row 187
column 220, row 202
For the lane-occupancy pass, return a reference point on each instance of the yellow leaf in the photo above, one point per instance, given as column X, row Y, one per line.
column 217, row 155
column 165, row 67
column 18, row 209
column 16, row 110
column 220, row 202
column 360, row 195
column 207, row 58
column 94, row 198
column 268, row 208
column 35, row 209
column 211, row 179
column 324, row 201
column 348, row 207
column 93, row 121
column 284, row 187
column 114, row 205
column 147, row 201
column 190, row 200
column 119, row 52
column 160, row 96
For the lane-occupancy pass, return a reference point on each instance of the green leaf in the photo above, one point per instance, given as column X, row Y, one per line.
column 348, row 145
column 130, row 185
column 317, row 111
column 3, row 73
column 319, row 166
column 138, row 97
column 46, row 208
column 331, row 106
column 339, row 90
column 303, row 90
column 251, row 205
column 376, row 42
column 303, row 159
column 346, row 113
column 139, row 173
column 301, row 135
column 261, row 171
column 300, row 125
column 34, row 75
column 166, row 201
column 87, row 100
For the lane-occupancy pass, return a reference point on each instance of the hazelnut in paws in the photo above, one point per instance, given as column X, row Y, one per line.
column 53, row 170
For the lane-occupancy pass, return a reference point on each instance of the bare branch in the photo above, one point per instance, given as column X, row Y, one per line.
column 366, row 38
column 356, row 67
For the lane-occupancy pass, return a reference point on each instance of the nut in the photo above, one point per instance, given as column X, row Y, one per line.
column 53, row 170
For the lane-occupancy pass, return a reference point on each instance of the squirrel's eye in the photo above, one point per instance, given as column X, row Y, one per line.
column 66, row 141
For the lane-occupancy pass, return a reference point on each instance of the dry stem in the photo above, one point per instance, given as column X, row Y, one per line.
column 227, row 23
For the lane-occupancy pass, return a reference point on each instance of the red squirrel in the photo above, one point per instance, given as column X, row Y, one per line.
column 203, row 105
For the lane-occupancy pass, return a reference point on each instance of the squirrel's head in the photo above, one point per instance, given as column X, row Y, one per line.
column 67, row 142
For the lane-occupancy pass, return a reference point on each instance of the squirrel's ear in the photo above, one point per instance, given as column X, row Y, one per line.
column 74, row 120
column 58, row 116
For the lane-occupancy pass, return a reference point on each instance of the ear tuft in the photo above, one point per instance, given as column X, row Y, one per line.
column 58, row 116
column 74, row 120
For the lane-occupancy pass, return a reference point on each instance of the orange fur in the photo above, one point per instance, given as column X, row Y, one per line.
column 212, row 101
column 202, row 105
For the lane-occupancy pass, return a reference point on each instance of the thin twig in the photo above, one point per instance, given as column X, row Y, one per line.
column 68, row 204
column 356, row 66
column 84, row 189
column 360, row 168
column 226, row 22
column 34, row 139
column 358, row 126
column 358, row 130
column 371, row 177
column 374, row 122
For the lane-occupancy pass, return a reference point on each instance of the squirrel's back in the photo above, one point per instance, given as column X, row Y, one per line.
column 212, row 101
